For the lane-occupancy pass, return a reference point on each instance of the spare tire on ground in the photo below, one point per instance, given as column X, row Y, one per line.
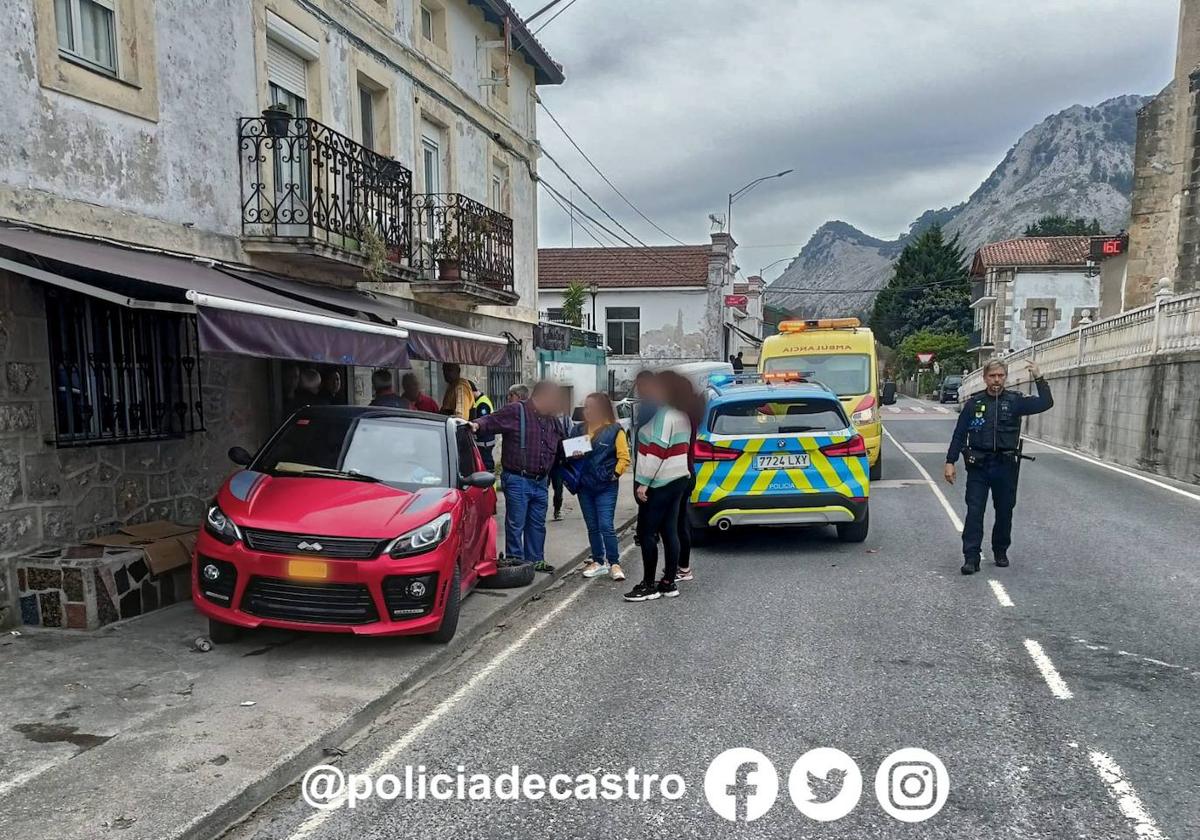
column 509, row 575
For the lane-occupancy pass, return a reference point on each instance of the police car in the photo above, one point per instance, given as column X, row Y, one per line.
column 778, row 450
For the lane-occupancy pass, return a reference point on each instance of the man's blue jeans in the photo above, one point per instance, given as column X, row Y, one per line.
column 599, row 507
column 525, row 503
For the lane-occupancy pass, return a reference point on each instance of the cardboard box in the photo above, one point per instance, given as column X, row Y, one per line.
column 166, row 545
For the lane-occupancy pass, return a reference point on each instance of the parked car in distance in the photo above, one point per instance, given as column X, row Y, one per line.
column 948, row 390
column 626, row 410
column 374, row 521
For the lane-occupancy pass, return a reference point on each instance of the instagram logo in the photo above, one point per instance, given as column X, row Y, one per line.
column 912, row 785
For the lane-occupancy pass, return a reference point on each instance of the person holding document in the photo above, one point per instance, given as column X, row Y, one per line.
column 599, row 448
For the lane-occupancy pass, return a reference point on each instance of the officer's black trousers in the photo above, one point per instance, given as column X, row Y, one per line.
column 997, row 474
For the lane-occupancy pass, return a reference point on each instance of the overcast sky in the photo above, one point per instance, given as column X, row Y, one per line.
column 885, row 108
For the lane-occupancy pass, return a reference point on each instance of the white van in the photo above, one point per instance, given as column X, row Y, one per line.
column 698, row 372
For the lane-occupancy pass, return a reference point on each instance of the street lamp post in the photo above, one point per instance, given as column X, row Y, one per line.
column 764, row 269
column 734, row 196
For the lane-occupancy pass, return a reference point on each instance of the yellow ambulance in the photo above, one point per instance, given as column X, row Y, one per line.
column 839, row 353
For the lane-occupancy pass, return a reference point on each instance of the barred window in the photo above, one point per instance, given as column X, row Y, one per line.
column 121, row 374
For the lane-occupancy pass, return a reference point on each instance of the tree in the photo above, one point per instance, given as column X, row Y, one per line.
column 1060, row 225
column 929, row 290
column 572, row 306
column 949, row 350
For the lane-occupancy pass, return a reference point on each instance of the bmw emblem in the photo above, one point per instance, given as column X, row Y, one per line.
column 783, row 444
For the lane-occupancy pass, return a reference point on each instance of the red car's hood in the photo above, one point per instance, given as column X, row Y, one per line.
column 329, row 507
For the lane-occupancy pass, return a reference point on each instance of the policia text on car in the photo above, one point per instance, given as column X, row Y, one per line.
column 988, row 436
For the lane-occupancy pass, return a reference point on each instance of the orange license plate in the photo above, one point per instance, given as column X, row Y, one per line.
column 309, row 569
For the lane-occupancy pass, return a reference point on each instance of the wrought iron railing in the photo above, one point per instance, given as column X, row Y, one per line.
column 456, row 234
column 302, row 179
column 119, row 374
column 977, row 340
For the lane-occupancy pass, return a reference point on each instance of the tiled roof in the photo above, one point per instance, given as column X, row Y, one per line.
column 619, row 268
column 1034, row 251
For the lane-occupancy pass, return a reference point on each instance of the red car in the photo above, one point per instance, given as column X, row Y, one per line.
column 374, row 521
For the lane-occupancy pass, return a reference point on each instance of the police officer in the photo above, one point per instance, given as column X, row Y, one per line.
column 482, row 408
column 988, row 436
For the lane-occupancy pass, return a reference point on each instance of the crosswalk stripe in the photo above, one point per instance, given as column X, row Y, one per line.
column 942, row 410
column 895, row 409
column 917, row 409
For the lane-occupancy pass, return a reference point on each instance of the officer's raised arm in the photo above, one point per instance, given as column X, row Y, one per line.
column 1042, row 401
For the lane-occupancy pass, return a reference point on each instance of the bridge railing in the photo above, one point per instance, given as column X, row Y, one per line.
column 1169, row 325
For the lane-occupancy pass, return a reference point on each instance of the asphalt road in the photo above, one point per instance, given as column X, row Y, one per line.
column 788, row 640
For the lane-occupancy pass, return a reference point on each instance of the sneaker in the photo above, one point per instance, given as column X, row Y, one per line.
column 558, row 516
column 543, row 566
column 684, row 574
column 595, row 570
column 643, row 592
column 1001, row 559
column 970, row 566
column 668, row 589
column 617, row 572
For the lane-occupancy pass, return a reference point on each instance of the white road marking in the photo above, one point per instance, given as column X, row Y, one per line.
column 388, row 756
column 1114, row 468
column 1001, row 593
column 941, row 409
column 917, row 409
column 937, row 491
column 27, row 776
column 1126, row 797
column 895, row 409
column 1058, row 687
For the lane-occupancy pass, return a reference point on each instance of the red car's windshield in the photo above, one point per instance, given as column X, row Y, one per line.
column 393, row 450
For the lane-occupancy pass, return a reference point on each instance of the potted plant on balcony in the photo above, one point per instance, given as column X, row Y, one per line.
column 447, row 250
column 278, row 118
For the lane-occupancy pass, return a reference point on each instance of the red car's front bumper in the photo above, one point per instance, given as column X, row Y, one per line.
column 368, row 597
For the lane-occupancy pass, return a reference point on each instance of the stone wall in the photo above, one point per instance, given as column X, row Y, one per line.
column 1154, row 218
column 51, row 496
column 1142, row 413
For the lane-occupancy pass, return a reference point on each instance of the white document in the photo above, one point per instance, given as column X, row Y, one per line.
column 581, row 445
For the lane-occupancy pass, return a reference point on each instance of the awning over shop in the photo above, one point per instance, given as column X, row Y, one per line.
column 234, row 315
column 428, row 338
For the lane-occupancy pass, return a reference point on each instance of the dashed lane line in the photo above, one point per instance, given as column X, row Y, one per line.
column 1127, row 799
column 1001, row 593
column 1058, row 686
column 937, row 491
column 1115, row 468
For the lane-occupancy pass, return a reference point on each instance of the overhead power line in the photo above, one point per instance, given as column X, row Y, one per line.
column 555, row 17
column 542, row 11
column 592, row 164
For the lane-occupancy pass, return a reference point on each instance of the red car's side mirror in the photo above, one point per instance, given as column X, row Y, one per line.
column 482, row 479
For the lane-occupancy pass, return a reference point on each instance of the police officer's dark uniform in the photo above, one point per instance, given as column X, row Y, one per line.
column 988, row 436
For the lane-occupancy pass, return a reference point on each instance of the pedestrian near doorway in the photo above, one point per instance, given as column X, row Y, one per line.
column 385, row 392
column 988, row 437
column 662, row 479
column 600, row 472
column 530, row 438
column 418, row 400
column 459, row 397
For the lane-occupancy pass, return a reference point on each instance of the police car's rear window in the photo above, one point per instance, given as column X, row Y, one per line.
column 777, row 417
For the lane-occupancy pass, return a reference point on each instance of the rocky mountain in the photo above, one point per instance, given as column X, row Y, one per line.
column 1078, row 162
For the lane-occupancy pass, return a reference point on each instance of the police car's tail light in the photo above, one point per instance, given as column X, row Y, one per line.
column 702, row 450
column 855, row 447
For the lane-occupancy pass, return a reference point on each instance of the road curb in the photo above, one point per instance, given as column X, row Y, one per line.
column 233, row 811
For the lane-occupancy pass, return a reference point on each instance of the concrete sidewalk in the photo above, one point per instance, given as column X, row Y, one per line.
column 128, row 733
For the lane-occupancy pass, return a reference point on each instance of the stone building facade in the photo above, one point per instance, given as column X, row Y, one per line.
column 137, row 139
column 1164, row 233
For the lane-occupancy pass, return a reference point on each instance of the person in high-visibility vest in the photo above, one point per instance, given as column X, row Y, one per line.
column 482, row 407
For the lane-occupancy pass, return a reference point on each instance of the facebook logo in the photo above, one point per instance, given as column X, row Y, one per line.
column 741, row 784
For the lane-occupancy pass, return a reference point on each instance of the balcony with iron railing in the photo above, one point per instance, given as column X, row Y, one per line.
column 309, row 192
column 978, row 342
column 463, row 249
column 983, row 292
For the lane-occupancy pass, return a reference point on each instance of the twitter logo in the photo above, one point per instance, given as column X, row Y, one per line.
column 825, row 784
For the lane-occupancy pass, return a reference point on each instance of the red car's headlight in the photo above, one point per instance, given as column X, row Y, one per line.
column 221, row 526
column 419, row 540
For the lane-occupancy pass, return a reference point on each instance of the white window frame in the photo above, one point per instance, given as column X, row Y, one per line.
column 610, row 320
column 428, row 18
column 75, row 34
column 501, row 188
